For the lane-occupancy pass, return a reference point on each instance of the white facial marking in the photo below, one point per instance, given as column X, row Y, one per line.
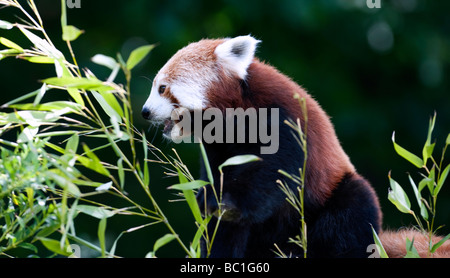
column 159, row 106
column 190, row 95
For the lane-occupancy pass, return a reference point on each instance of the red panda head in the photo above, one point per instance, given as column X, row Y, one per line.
column 189, row 77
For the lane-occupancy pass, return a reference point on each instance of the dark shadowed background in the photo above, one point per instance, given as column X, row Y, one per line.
column 374, row 71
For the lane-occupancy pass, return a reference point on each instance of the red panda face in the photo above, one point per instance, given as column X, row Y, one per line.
column 187, row 79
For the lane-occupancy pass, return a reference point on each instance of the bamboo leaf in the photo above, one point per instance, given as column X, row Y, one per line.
column 104, row 60
column 189, row 185
column 206, row 164
column 138, row 55
column 441, row 181
column 54, row 246
column 40, row 95
column 378, row 244
column 101, row 235
column 76, row 83
column 97, row 212
column 65, row 183
column 423, row 208
column 109, row 104
column 437, row 245
column 53, row 106
column 10, row 44
column 43, row 45
column 411, row 251
column 414, row 159
column 71, row 33
column 398, row 197
column 27, row 134
column 72, row 144
column 5, row 25
column 39, row 59
column 121, row 173
column 190, row 197
column 163, row 241
column 238, row 160
column 428, row 147
column 93, row 162
column 104, row 187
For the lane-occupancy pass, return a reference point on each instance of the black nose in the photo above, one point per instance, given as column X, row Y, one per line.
column 146, row 113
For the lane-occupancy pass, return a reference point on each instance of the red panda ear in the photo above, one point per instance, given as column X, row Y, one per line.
column 237, row 54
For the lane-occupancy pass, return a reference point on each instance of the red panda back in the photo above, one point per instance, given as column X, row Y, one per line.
column 327, row 162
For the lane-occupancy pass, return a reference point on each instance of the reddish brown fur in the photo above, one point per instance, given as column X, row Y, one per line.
column 327, row 161
column 170, row 96
column 395, row 244
column 191, row 59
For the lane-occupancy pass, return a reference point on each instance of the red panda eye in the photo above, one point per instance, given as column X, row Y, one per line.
column 162, row 89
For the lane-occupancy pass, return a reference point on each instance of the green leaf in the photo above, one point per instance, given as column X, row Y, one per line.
column 40, row 95
column 163, row 241
column 423, row 208
column 54, row 246
column 104, row 60
column 411, row 251
column 72, row 144
column 414, row 159
column 447, row 141
column 189, row 185
column 63, row 13
column 238, row 160
column 71, row 33
column 54, row 106
column 190, row 198
column 48, row 230
column 398, row 197
column 39, row 59
column 10, row 44
column 441, row 180
column 121, row 173
column 138, row 55
column 93, row 162
column 76, row 95
column 437, row 245
column 28, row 246
column 206, row 164
column 5, row 25
column 101, row 235
column 27, row 134
column 104, row 187
column 63, row 72
column 97, row 212
column 65, row 183
column 76, row 83
column 146, row 175
column 431, row 179
column 109, row 104
column 42, row 44
column 379, row 245
column 428, row 147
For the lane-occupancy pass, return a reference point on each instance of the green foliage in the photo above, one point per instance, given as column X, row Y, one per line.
column 433, row 179
column 46, row 169
column 29, row 176
column 296, row 197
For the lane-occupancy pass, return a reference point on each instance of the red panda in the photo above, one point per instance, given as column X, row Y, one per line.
column 340, row 205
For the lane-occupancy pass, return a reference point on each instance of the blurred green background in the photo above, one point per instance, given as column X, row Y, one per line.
column 372, row 70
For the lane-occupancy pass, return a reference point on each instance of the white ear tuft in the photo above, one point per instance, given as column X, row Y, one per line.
column 237, row 54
